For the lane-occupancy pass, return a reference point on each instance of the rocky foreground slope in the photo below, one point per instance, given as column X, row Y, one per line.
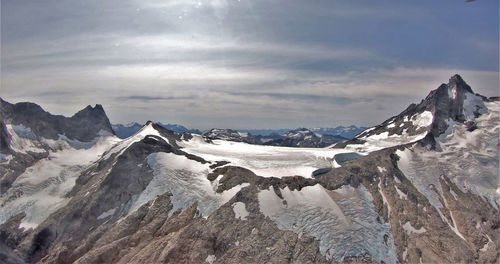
column 424, row 190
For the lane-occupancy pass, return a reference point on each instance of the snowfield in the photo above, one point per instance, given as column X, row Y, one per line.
column 186, row 180
column 344, row 220
column 265, row 161
column 469, row 159
column 384, row 140
column 40, row 190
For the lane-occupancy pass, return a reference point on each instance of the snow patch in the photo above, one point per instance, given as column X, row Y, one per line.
column 210, row 259
column 405, row 254
column 473, row 103
column 410, row 229
column 243, row 134
column 5, row 158
column 423, row 119
column 240, row 212
column 106, row 214
column 384, row 140
column 384, row 199
column 452, row 92
column 401, row 194
column 454, row 194
column 23, row 140
column 487, row 245
column 396, row 179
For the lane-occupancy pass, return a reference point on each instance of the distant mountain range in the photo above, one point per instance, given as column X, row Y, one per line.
column 301, row 137
column 346, row 132
column 343, row 131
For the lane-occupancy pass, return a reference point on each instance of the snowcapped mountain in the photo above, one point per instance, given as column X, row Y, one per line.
column 127, row 130
column 340, row 132
column 29, row 134
column 452, row 102
column 343, row 131
column 301, row 137
column 420, row 187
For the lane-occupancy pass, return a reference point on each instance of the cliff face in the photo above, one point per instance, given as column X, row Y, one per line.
column 85, row 125
column 29, row 134
column 452, row 102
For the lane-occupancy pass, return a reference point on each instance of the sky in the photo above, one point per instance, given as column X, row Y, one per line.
column 244, row 64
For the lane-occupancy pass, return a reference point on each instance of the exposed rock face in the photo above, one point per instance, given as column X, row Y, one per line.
column 25, row 129
column 301, row 137
column 450, row 102
column 148, row 199
column 83, row 126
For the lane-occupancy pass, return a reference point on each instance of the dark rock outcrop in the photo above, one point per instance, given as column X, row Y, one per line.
column 84, row 126
column 454, row 101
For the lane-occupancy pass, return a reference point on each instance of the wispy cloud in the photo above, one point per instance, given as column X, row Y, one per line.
column 146, row 98
column 309, row 98
column 243, row 63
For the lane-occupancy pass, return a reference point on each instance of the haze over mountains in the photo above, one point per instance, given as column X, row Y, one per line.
column 126, row 130
column 420, row 187
column 300, row 137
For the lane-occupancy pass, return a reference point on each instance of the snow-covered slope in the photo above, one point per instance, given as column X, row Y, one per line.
column 266, row 161
column 469, row 158
column 41, row 189
column 421, row 187
column 42, row 159
column 343, row 220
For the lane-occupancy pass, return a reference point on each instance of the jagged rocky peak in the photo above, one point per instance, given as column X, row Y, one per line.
column 451, row 102
column 97, row 111
column 157, row 131
column 454, row 101
column 85, row 125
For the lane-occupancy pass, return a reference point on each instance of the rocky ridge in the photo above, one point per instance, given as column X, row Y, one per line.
column 390, row 205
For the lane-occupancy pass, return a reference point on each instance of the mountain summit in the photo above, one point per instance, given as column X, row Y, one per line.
column 85, row 125
column 452, row 102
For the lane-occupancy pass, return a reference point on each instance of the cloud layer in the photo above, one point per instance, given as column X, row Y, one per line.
column 244, row 64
